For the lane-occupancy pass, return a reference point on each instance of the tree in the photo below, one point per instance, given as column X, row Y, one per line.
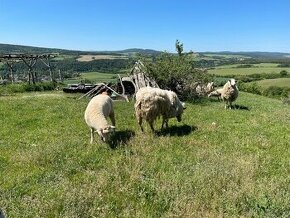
column 179, row 47
column 176, row 73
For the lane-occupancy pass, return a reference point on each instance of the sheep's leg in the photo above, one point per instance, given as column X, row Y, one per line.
column 112, row 118
column 164, row 121
column 92, row 135
column 140, row 123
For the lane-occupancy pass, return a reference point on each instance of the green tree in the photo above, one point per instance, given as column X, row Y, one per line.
column 176, row 73
column 179, row 47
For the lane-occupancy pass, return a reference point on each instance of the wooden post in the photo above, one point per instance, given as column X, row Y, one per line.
column 51, row 74
column 11, row 75
column 30, row 64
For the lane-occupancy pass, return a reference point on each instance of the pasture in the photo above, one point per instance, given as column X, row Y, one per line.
column 215, row 163
column 280, row 82
column 94, row 77
column 256, row 69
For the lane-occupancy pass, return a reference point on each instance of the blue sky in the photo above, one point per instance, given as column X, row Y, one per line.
column 201, row 25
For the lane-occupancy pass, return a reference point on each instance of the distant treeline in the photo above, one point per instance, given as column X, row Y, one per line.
column 69, row 67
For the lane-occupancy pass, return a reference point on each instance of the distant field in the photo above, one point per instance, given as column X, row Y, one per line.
column 226, row 55
column 261, row 65
column 87, row 58
column 257, row 68
column 280, row 82
column 94, row 77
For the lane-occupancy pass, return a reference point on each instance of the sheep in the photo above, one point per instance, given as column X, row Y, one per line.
column 152, row 103
column 204, row 89
column 229, row 93
column 99, row 108
column 216, row 93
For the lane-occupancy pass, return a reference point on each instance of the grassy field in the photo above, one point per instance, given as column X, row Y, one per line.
column 257, row 68
column 280, row 82
column 215, row 163
column 94, row 77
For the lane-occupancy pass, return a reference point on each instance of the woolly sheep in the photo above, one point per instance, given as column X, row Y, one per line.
column 217, row 93
column 99, row 108
column 229, row 93
column 152, row 103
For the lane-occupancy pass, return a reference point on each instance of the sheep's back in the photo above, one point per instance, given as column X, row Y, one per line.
column 98, row 110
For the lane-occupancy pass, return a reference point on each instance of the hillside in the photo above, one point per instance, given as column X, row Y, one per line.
column 216, row 162
column 8, row 48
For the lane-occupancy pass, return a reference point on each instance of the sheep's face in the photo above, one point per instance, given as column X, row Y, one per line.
column 106, row 132
column 179, row 111
column 232, row 82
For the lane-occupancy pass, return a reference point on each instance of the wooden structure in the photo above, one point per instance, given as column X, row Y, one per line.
column 29, row 60
column 127, row 85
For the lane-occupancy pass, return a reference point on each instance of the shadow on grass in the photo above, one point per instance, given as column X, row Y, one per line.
column 121, row 138
column 240, row 107
column 176, row 130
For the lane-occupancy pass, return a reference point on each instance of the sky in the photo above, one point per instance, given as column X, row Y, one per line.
column 106, row 25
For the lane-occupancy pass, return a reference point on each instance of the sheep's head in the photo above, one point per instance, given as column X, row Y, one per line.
column 179, row 110
column 232, row 82
column 106, row 132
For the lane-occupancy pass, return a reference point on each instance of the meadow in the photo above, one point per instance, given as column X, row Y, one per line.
column 215, row 163
column 280, row 82
column 94, row 77
column 267, row 68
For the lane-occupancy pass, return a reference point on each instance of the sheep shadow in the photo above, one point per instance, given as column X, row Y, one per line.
column 120, row 138
column 240, row 107
column 176, row 130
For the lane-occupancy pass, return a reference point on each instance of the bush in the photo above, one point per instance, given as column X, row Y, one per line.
column 176, row 73
column 276, row 92
column 283, row 73
column 19, row 88
column 252, row 88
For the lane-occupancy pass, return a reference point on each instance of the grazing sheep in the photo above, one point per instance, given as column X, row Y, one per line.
column 216, row 93
column 152, row 103
column 99, row 108
column 228, row 93
column 204, row 89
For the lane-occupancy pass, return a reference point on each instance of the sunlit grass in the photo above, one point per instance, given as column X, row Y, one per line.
column 216, row 162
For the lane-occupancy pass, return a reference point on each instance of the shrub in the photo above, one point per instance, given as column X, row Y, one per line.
column 275, row 91
column 252, row 88
column 283, row 73
column 24, row 87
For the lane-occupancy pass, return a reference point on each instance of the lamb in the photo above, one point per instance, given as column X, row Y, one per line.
column 229, row 93
column 152, row 103
column 99, row 108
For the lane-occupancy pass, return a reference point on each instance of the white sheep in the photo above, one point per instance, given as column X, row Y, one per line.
column 229, row 93
column 216, row 93
column 99, row 108
column 152, row 103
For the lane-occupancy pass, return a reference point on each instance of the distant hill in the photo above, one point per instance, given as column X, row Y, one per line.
column 8, row 48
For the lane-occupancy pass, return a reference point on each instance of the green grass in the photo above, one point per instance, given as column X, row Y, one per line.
column 256, row 69
column 280, row 82
column 215, row 163
column 94, row 77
